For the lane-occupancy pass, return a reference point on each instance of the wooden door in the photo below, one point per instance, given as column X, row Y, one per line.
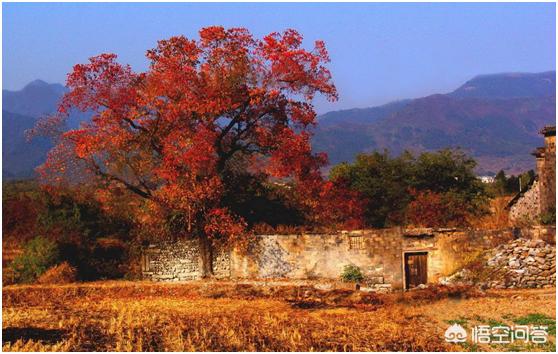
column 415, row 269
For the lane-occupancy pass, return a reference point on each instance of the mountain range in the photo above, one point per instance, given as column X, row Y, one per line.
column 495, row 118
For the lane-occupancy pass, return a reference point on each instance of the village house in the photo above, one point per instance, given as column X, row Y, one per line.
column 540, row 197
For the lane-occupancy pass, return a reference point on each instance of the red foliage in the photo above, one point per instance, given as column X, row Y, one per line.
column 19, row 216
column 161, row 143
column 336, row 205
column 431, row 209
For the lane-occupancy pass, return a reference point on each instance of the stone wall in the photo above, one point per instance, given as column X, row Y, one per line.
column 221, row 263
column 520, row 263
column 181, row 261
column 378, row 253
column 540, row 232
column 528, row 207
column 524, row 263
column 172, row 261
column 547, row 173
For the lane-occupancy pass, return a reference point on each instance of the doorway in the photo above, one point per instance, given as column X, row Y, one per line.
column 415, row 269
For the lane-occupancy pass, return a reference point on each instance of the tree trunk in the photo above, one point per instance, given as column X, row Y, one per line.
column 206, row 253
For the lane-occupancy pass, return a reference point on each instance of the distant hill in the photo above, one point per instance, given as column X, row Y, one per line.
column 19, row 156
column 20, row 111
column 511, row 85
column 36, row 99
column 360, row 115
column 495, row 118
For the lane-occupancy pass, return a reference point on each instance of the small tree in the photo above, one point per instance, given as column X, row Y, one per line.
column 38, row 255
column 504, row 185
column 382, row 180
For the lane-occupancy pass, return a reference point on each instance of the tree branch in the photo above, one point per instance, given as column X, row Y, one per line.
column 145, row 194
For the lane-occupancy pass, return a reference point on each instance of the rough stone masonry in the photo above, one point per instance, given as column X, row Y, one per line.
column 525, row 264
column 520, row 263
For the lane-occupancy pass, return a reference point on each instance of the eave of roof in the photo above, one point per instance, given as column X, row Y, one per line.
column 538, row 152
column 549, row 130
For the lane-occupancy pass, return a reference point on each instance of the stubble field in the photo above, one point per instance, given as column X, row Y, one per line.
column 222, row 316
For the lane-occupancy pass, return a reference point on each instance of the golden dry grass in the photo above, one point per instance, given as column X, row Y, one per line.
column 221, row 316
column 498, row 218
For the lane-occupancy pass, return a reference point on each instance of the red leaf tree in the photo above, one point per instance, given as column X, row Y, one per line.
column 162, row 144
column 432, row 209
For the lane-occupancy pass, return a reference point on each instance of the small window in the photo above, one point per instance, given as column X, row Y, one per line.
column 356, row 242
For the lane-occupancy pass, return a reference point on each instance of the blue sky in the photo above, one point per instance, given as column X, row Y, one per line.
column 380, row 52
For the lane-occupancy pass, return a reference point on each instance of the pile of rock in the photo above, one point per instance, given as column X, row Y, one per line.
column 521, row 263
column 524, row 264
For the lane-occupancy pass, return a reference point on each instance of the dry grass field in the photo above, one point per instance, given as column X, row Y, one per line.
column 221, row 316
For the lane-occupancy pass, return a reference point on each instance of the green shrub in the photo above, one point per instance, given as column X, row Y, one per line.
column 352, row 273
column 38, row 255
column 549, row 217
